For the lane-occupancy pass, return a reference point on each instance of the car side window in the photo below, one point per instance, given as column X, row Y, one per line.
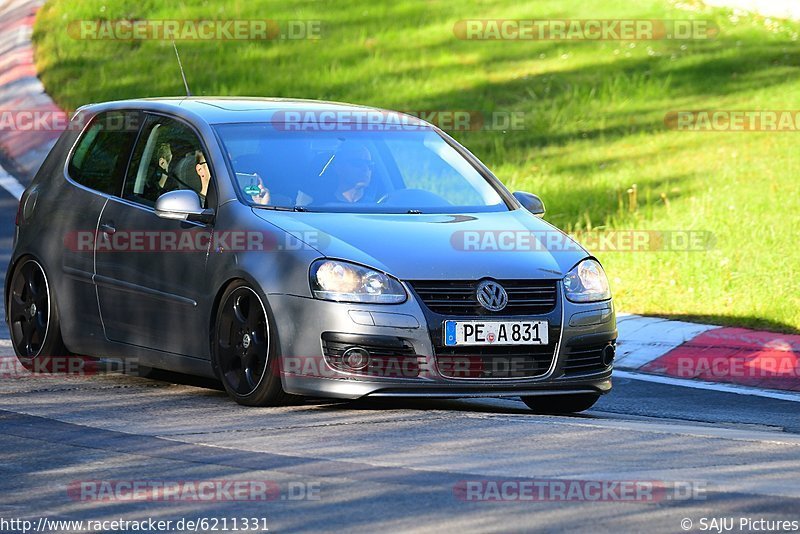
column 102, row 152
column 168, row 157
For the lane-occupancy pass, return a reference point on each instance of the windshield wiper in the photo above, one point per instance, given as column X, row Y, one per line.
column 281, row 208
column 414, row 212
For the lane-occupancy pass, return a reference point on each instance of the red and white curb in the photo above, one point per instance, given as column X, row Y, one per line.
column 735, row 360
column 21, row 91
column 11, row 184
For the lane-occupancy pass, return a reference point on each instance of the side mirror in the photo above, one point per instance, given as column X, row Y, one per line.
column 530, row 202
column 183, row 205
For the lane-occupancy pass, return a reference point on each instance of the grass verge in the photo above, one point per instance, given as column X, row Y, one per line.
column 593, row 115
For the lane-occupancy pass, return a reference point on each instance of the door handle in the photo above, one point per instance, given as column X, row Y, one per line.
column 107, row 229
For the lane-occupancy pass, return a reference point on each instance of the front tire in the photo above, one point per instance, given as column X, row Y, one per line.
column 33, row 317
column 243, row 350
column 560, row 404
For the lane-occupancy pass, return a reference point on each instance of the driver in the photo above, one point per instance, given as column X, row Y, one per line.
column 352, row 166
column 203, row 172
column 256, row 190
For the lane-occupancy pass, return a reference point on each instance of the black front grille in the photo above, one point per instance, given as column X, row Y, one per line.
column 458, row 297
column 389, row 356
column 584, row 359
column 521, row 361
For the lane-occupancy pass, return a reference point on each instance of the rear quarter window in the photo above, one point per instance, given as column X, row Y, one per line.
column 101, row 155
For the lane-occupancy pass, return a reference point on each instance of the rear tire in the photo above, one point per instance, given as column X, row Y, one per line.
column 560, row 404
column 243, row 351
column 33, row 318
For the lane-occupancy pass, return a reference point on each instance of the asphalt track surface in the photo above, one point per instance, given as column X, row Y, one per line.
column 72, row 446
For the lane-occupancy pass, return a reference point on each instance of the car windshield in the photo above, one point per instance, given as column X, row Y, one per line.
column 406, row 171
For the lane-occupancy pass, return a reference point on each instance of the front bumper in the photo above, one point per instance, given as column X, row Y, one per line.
column 302, row 321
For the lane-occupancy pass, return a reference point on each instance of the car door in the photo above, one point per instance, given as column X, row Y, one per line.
column 150, row 271
column 94, row 171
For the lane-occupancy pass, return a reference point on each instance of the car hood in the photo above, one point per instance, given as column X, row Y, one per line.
column 502, row 245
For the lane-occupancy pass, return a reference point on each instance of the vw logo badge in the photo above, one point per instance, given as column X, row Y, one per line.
column 491, row 295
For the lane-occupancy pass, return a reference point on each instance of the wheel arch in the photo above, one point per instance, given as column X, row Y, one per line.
column 49, row 341
column 212, row 318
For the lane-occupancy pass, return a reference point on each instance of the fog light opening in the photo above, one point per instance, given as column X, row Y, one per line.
column 355, row 358
column 608, row 355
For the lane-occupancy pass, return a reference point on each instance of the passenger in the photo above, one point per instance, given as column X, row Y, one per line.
column 160, row 182
column 164, row 156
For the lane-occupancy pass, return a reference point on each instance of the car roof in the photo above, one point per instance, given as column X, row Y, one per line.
column 221, row 110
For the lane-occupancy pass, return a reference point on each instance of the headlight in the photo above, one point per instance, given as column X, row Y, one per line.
column 587, row 282
column 347, row 282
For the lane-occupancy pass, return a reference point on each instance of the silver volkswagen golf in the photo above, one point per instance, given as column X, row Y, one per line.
column 291, row 247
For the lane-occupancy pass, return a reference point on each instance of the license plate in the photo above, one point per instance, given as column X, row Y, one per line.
column 464, row 333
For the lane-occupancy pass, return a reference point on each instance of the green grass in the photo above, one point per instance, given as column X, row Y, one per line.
column 594, row 120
